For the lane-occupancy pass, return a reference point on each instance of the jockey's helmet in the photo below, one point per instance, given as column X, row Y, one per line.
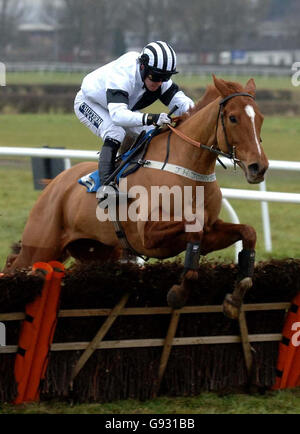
column 159, row 60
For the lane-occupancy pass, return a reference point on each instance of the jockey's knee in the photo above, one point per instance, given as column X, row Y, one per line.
column 114, row 132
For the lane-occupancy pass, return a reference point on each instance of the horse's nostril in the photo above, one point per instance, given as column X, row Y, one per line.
column 263, row 171
column 253, row 168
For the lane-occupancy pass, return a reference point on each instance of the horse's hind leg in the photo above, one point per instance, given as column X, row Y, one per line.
column 223, row 235
column 9, row 262
column 87, row 250
column 28, row 256
column 178, row 294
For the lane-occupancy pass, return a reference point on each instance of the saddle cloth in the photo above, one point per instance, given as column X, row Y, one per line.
column 92, row 181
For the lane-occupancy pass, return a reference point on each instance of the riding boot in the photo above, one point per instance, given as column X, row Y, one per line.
column 106, row 167
column 106, row 164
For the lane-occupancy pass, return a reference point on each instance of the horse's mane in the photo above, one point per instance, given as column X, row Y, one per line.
column 210, row 95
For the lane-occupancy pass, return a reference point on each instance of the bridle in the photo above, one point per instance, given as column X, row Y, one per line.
column 231, row 151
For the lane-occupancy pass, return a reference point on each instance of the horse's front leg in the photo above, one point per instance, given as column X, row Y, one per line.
column 162, row 235
column 223, row 235
column 178, row 294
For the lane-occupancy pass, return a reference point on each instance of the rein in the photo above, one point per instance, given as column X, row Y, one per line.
column 231, row 155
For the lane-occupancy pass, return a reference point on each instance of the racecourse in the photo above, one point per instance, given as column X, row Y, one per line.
column 281, row 138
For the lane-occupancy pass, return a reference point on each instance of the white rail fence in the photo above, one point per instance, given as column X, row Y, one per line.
column 261, row 195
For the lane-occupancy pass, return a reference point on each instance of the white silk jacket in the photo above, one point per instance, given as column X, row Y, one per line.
column 118, row 87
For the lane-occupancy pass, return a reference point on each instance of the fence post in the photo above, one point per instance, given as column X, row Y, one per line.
column 266, row 219
column 167, row 349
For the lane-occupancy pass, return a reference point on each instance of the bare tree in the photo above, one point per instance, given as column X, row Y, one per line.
column 214, row 25
column 292, row 20
column 84, row 27
column 103, row 19
column 11, row 13
column 100, row 27
column 151, row 20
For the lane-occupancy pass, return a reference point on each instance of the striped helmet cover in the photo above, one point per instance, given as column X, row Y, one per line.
column 159, row 56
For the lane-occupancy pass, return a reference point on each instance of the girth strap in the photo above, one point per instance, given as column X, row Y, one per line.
column 178, row 170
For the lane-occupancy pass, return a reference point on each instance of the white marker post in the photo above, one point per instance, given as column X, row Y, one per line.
column 2, row 335
column 2, row 74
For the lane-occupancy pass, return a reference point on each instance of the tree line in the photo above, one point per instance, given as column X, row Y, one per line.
column 101, row 26
column 102, row 29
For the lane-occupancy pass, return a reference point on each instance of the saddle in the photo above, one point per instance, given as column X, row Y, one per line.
column 92, row 181
column 135, row 162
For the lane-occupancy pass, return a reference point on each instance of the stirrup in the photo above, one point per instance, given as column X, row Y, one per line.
column 110, row 191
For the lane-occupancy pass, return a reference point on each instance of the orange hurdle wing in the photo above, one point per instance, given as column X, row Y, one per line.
column 29, row 332
column 287, row 372
column 46, row 333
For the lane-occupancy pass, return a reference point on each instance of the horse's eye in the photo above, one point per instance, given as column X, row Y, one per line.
column 233, row 119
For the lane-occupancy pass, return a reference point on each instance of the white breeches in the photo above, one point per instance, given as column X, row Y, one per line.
column 98, row 120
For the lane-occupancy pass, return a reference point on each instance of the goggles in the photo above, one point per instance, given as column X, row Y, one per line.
column 159, row 77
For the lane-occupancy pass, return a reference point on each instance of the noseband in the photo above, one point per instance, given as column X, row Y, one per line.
column 230, row 154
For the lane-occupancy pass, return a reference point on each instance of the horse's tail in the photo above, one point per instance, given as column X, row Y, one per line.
column 16, row 248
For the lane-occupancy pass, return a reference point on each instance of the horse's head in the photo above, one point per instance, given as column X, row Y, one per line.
column 239, row 128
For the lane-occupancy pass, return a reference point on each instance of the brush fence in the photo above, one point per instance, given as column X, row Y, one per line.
column 137, row 347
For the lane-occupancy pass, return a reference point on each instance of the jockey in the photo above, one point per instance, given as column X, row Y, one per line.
column 111, row 97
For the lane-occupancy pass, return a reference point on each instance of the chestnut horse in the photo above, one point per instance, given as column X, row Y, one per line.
column 227, row 122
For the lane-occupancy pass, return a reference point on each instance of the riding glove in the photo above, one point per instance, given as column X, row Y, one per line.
column 158, row 119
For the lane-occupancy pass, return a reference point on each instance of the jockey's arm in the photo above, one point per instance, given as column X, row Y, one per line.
column 117, row 104
column 122, row 116
column 174, row 96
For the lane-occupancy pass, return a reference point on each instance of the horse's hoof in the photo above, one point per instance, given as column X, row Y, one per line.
column 245, row 284
column 233, row 302
column 231, row 307
column 176, row 297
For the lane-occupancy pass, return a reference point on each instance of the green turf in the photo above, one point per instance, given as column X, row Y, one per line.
column 192, row 81
column 281, row 402
column 280, row 134
column 37, row 130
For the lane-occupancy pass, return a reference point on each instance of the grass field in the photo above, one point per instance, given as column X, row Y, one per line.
column 191, row 81
column 281, row 402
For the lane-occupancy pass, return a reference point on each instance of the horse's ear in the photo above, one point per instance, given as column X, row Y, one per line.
column 251, row 87
column 222, row 87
